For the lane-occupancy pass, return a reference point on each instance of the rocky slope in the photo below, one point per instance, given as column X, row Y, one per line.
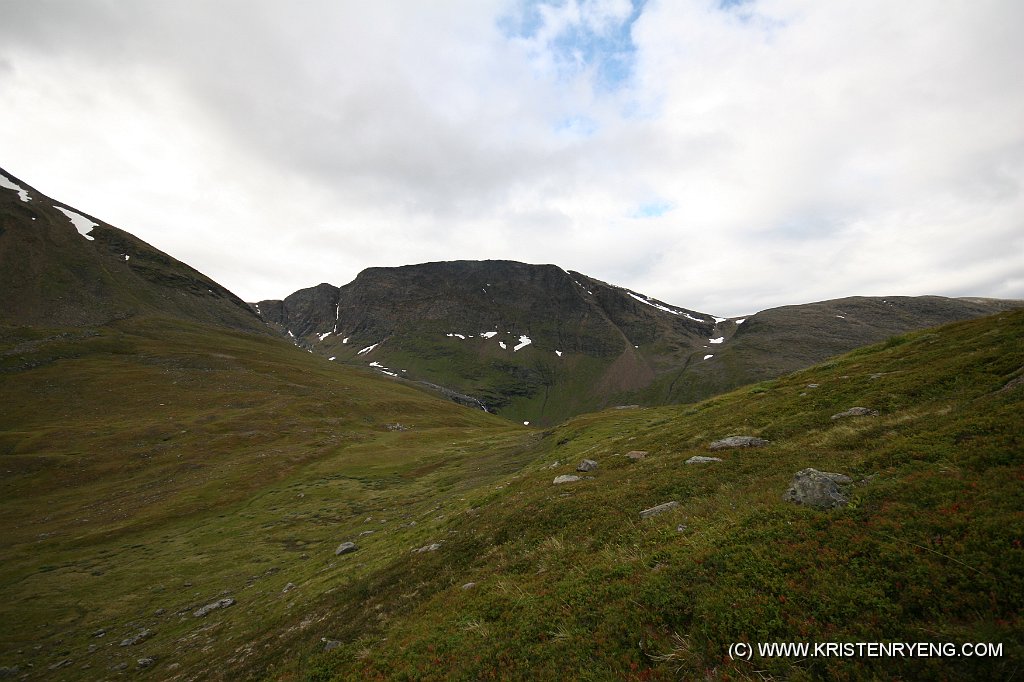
column 538, row 343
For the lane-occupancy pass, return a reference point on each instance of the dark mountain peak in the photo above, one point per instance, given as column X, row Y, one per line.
column 60, row 266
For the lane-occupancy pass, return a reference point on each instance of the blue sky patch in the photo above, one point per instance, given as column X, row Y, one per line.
column 608, row 49
column 652, row 209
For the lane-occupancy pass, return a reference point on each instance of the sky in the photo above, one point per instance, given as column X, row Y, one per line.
column 726, row 156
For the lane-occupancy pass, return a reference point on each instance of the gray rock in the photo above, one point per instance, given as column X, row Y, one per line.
column 100, row 633
column 469, row 586
column 587, row 465
column 856, row 412
column 139, row 636
column 565, row 478
column 813, row 385
column 202, row 612
column 700, row 459
column 636, row 455
column 61, row 664
column 660, row 509
column 345, row 548
column 331, row 644
column 288, row 588
column 738, row 442
column 146, row 662
column 9, row 671
column 818, row 489
column 432, row 547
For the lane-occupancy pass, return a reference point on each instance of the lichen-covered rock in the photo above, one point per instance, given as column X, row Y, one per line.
column 819, row 489
column 565, row 478
column 856, row 412
column 738, row 442
column 700, row 459
column 139, row 636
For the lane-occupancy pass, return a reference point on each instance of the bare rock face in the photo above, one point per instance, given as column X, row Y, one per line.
column 818, row 489
column 856, row 412
column 738, row 442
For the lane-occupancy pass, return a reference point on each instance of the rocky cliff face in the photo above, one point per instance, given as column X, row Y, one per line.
column 60, row 267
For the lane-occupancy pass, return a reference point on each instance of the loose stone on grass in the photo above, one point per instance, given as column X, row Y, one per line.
column 636, row 455
column 738, row 442
column 565, row 478
column 700, row 459
column 139, row 636
column 856, row 412
column 432, row 547
column 202, row 612
column 659, row 509
column 587, row 465
column 345, row 548
column 818, row 489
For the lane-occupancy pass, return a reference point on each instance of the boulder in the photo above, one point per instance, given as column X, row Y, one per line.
column 819, row 489
column 738, row 442
column 345, row 548
column 636, row 455
column 700, row 459
column 565, row 478
column 587, row 465
column 660, row 509
column 856, row 412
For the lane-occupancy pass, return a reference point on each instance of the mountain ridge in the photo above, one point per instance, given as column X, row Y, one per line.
column 589, row 344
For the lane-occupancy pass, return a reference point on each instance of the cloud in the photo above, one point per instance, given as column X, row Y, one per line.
column 721, row 156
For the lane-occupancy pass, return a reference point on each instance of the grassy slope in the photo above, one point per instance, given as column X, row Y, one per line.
column 284, row 455
column 160, row 465
column 569, row 580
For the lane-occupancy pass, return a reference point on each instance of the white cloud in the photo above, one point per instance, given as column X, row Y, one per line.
column 794, row 150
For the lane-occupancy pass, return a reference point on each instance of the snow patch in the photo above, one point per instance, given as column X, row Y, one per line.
column 7, row 183
column 367, row 349
column 720, row 339
column 841, row 317
column 458, row 336
column 81, row 223
column 324, row 335
column 741, row 320
column 708, row 357
column 290, row 334
column 719, row 320
column 126, row 257
column 488, row 335
column 691, row 317
column 526, row 423
column 390, row 374
column 647, row 301
column 332, row 357
column 376, row 364
column 524, row 341
column 558, row 353
column 502, row 344
column 345, row 340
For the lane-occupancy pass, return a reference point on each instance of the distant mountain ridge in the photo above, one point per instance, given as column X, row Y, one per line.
column 62, row 267
column 539, row 343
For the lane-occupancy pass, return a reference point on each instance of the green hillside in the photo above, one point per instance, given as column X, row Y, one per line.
column 144, row 481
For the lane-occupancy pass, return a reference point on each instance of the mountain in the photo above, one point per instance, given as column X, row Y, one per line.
column 60, row 267
column 538, row 343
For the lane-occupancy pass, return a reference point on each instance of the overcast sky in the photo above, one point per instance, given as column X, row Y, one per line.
column 722, row 155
